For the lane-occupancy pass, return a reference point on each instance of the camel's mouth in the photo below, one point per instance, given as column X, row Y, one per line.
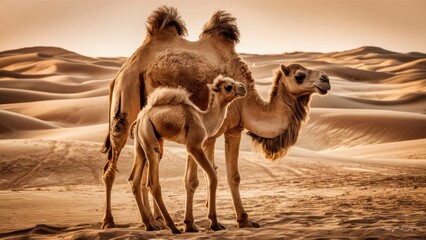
column 322, row 90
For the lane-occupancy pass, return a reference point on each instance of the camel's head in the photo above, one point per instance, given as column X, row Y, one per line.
column 227, row 88
column 301, row 81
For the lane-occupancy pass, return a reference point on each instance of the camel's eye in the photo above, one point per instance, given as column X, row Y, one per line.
column 228, row 88
column 300, row 77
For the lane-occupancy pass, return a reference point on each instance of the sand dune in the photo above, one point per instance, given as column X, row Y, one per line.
column 13, row 122
column 17, row 95
column 69, row 112
column 53, row 87
column 414, row 102
column 47, row 51
column 416, row 64
column 357, row 170
column 337, row 128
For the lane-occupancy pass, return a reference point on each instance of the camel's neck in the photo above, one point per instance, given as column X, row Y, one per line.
column 267, row 118
column 274, row 123
column 214, row 115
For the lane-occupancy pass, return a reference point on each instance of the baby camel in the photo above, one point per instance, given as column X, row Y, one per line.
column 170, row 115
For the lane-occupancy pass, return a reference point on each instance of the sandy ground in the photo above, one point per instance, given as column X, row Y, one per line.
column 357, row 171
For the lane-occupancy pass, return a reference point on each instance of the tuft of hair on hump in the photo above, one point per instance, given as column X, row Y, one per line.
column 167, row 96
column 224, row 24
column 163, row 17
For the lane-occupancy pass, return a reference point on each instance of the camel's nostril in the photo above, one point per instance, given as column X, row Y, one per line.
column 324, row 78
column 241, row 90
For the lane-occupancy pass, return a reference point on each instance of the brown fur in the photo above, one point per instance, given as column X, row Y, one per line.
column 277, row 147
column 224, row 24
column 168, row 96
column 163, row 17
column 297, row 110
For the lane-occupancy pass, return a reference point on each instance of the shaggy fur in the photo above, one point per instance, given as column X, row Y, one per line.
column 165, row 16
column 174, row 96
column 223, row 23
column 239, row 70
column 277, row 147
column 168, row 96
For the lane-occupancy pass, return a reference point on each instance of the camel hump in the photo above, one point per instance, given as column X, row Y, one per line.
column 224, row 24
column 164, row 17
column 168, row 96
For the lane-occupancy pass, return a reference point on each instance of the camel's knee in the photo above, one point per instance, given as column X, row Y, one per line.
column 235, row 180
column 144, row 189
column 132, row 183
column 108, row 175
column 136, row 189
column 119, row 130
column 154, row 188
column 192, row 184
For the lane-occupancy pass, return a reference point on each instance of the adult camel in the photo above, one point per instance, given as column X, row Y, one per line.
column 166, row 58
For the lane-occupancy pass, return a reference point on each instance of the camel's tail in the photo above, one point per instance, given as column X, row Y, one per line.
column 107, row 148
column 163, row 17
column 223, row 24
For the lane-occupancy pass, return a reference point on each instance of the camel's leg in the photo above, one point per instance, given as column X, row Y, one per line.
column 156, row 219
column 124, row 105
column 135, row 184
column 152, row 149
column 197, row 153
column 144, row 190
column 191, row 184
column 161, row 144
column 232, row 145
column 208, row 147
column 157, row 213
column 118, row 136
column 108, row 178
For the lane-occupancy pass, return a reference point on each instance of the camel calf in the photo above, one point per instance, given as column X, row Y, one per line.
column 170, row 115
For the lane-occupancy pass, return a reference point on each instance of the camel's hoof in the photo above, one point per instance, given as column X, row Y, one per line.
column 248, row 224
column 217, row 226
column 190, row 228
column 108, row 224
column 175, row 230
column 150, row 227
column 159, row 223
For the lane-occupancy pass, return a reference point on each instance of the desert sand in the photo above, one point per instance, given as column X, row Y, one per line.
column 358, row 169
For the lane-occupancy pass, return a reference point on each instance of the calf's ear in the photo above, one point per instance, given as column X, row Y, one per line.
column 213, row 87
column 285, row 69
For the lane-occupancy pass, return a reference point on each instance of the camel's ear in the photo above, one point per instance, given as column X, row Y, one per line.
column 285, row 69
column 213, row 87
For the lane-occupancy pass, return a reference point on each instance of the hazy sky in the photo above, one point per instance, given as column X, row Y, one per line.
column 117, row 27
